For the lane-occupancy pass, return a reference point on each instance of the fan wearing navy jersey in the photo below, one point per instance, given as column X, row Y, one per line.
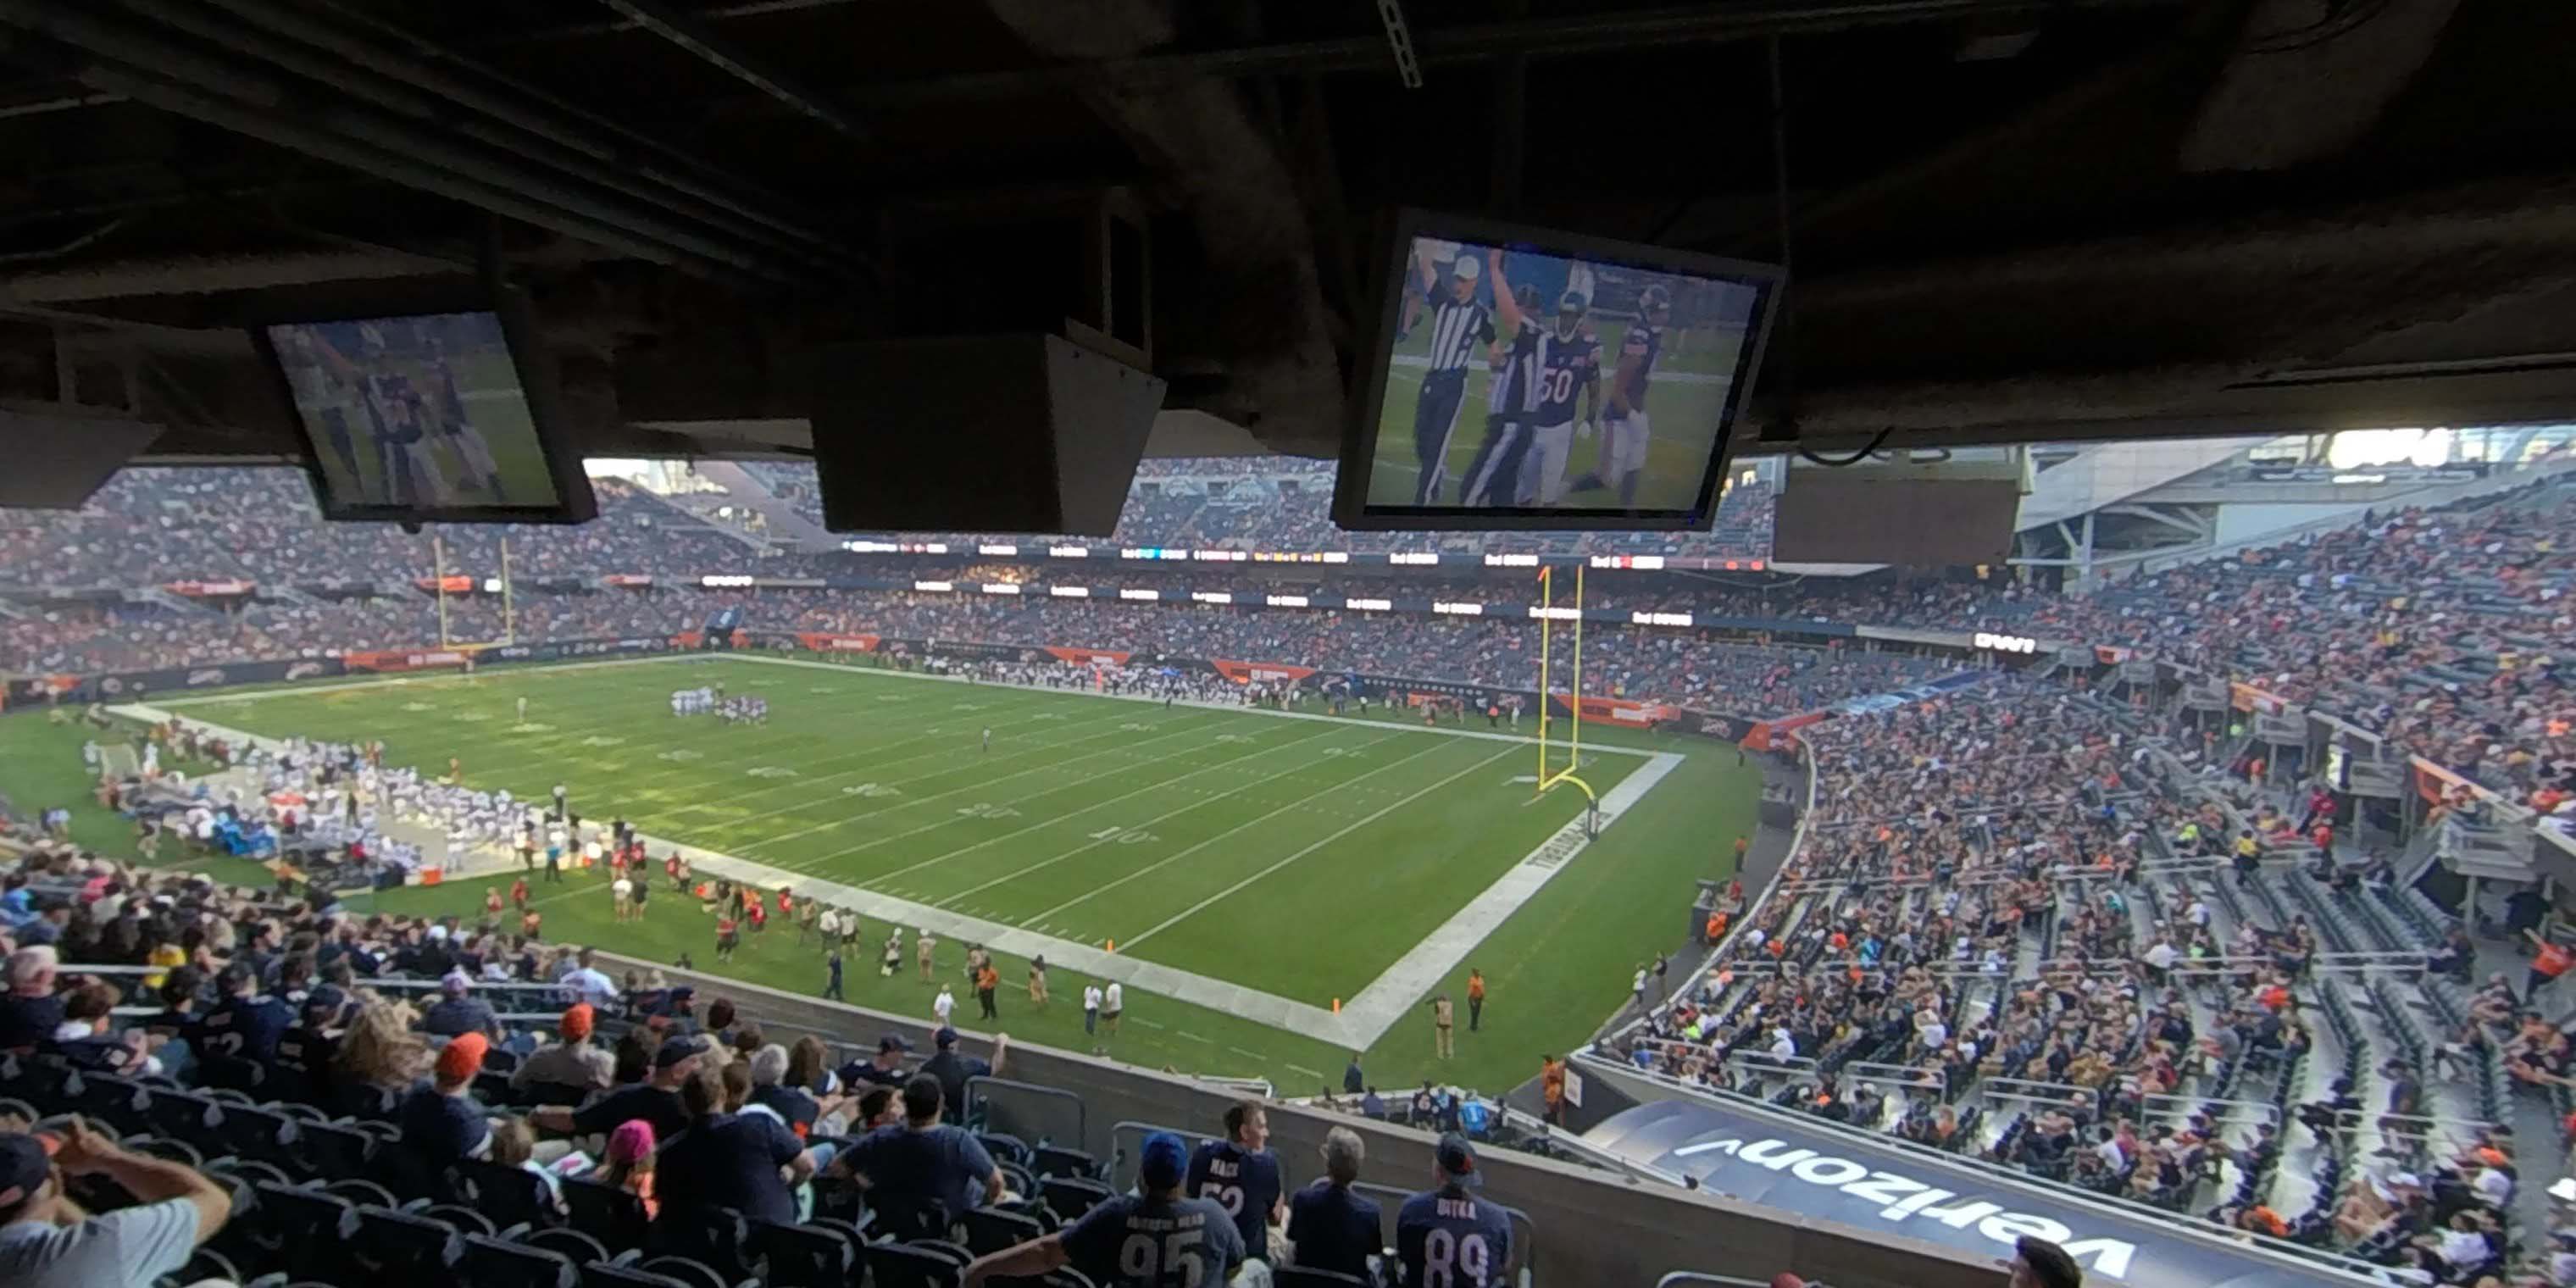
column 1624, row 433
column 1462, row 331
column 1446, row 1237
column 244, row 1023
column 1241, row 1175
column 1156, row 1238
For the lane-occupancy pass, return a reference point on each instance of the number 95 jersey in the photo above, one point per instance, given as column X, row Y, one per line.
column 1140, row 1241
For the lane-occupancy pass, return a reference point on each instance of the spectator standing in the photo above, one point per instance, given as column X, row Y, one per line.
column 47, row 1241
column 954, row 1070
column 923, row 1175
column 748, row 1162
column 656, row 1100
column 1242, row 1175
column 1444, row 1236
column 1329, row 1227
column 589, row 984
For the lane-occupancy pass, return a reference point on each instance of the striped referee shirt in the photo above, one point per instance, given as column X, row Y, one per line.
column 1457, row 332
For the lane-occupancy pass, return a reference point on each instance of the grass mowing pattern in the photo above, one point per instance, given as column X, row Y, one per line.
column 1297, row 857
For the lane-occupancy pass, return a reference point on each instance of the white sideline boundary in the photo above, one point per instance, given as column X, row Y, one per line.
column 1378, row 1007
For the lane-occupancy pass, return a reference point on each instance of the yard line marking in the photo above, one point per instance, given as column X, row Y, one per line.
column 1073, row 813
column 973, row 786
column 1311, row 1073
column 1096, row 843
column 1148, row 1023
column 1175, row 858
column 1239, row 886
column 1240, row 1051
column 1194, row 1037
column 1051, row 744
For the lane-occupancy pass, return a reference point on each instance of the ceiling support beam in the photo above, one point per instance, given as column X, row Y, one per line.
column 692, row 35
column 1476, row 42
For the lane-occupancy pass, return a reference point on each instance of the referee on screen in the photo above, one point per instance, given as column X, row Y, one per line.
column 1461, row 329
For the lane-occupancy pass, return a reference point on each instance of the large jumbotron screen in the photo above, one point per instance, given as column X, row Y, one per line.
column 1527, row 379
column 421, row 417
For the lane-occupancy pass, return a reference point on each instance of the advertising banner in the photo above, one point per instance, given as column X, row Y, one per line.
column 1087, row 656
column 453, row 583
column 1620, row 711
column 124, row 686
column 1844, row 1177
column 201, row 588
column 821, row 642
column 1260, row 672
column 627, row 579
column 404, row 660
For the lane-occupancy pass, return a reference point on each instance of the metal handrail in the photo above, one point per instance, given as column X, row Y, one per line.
column 2257, row 1111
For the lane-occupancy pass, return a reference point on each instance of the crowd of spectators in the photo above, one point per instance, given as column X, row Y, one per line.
column 152, row 527
column 2060, row 933
column 2443, row 630
column 622, row 1115
column 1286, row 502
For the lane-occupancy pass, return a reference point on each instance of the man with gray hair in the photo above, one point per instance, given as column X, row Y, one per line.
column 30, row 1011
column 1329, row 1227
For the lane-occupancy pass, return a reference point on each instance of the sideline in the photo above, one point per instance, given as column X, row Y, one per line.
column 1378, row 1007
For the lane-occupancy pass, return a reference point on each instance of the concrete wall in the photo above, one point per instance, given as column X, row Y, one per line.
column 1594, row 1229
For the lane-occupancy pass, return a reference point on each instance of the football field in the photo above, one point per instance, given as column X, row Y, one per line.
column 1265, row 883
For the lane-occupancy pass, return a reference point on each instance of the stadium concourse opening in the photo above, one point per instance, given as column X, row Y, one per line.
column 2141, row 920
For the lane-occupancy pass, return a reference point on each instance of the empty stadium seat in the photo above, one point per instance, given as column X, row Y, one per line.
column 991, row 1229
column 1056, row 1160
column 903, row 1265
column 804, row 1256
column 508, row 1195
column 1071, row 1196
column 574, row 1246
column 497, row 1263
column 403, row 1249
column 611, row 1215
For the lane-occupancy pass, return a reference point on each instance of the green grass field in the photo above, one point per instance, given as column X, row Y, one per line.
column 1295, row 857
column 1686, row 399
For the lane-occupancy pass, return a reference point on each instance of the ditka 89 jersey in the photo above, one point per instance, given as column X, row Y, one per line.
column 1565, row 365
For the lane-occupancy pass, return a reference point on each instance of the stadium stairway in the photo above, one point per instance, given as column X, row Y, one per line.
column 786, row 525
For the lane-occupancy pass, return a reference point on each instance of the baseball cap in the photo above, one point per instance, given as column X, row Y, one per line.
column 945, row 1038
column 1458, row 1160
column 326, row 1002
column 25, row 1161
column 1163, row 1161
column 462, row 1057
column 454, row 982
column 675, row 1050
column 1464, row 268
column 576, row 1022
column 892, row 1042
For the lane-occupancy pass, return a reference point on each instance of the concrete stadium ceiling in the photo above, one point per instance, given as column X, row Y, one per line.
column 2012, row 220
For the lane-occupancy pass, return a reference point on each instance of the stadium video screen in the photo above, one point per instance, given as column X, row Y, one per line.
column 1525, row 379
column 420, row 417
